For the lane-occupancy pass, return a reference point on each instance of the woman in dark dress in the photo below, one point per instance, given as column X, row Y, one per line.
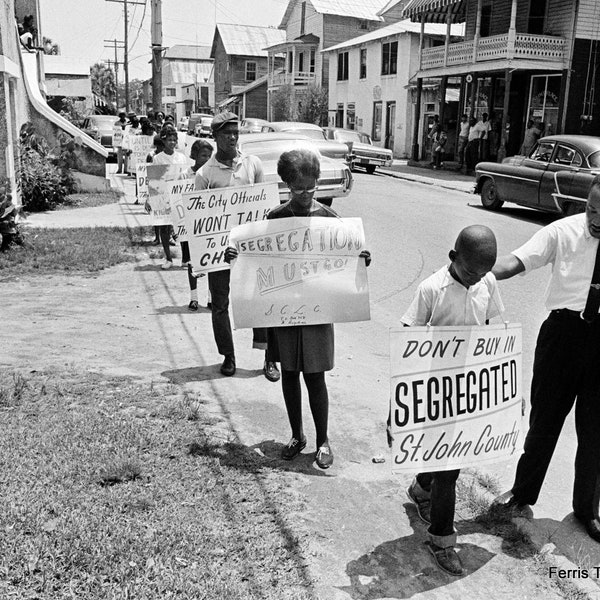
column 305, row 348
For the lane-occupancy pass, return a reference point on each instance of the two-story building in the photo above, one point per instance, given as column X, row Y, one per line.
column 187, row 80
column 315, row 25
column 240, row 60
column 520, row 60
column 369, row 83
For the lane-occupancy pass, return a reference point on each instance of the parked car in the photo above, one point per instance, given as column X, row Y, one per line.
column 329, row 148
column 183, row 124
column 252, row 125
column 203, row 128
column 364, row 153
column 336, row 177
column 555, row 177
column 100, row 127
column 194, row 119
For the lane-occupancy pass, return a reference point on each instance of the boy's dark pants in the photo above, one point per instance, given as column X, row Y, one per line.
column 441, row 487
column 566, row 371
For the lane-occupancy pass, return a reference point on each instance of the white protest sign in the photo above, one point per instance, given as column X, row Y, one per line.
column 140, row 146
column 455, row 396
column 160, row 183
column 299, row 271
column 211, row 214
column 117, row 136
column 141, row 180
column 178, row 188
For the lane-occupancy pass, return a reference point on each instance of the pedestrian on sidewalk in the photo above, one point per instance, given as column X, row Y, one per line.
column 472, row 149
column 463, row 139
column 118, row 135
column 433, row 137
column 229, row 167
column 566, row 369
column 532, row 135
column 438, row 151
column 463, row 293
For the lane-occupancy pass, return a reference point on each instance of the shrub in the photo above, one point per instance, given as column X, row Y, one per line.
column 282, row 103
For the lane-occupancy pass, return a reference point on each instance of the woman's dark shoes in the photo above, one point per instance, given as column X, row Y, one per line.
column 293, row 448
column 271, row 371
column 193, row 305
column 324, row 456
column 592, row 526
column 228, row 366
column 446, row 559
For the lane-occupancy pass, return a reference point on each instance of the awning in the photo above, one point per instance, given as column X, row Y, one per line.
column 228, row 101
column 435, row 11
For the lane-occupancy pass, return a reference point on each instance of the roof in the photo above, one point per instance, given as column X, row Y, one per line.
column 436, row 11
column 187, row 72
column 309, row 40
column 185, row 52
column 254, row 84
column 359, row 9
column 246, row 40
column 405, row 26
column 65, row 65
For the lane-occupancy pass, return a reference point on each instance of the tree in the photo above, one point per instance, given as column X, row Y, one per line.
column 103, row 81
column 313, row 106
column 50, row 47
column 282, row 104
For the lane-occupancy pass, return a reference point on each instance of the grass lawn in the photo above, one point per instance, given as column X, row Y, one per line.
column 86, row 200
column 116, row 489
column 83, row 249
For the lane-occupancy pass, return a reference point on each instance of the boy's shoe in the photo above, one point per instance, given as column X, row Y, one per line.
column 423, row 506
column 228, row 366
column 271, row 371
column 324, row 456
column 293, row 448
column 193, row 305
column 166, row 265
column 446, row 558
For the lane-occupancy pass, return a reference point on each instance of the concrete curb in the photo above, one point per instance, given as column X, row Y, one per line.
column 456, row 186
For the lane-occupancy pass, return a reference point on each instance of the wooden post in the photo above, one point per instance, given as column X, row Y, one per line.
column 443, row 86
column 512, row 31
column 447, row 44
column 415, row 144
column 477, row 31
column 505, row 131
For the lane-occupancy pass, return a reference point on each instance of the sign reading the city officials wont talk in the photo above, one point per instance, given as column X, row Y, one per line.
column 299, row 271
column 455, row 396
column 211, row 214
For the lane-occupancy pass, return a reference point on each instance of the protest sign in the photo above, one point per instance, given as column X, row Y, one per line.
column 160, row 183
column 455, row 396
column 140, row 146
column 178, row 188
column 211, row 214
column 141, row 177
column 117, row 136
column 299, row 271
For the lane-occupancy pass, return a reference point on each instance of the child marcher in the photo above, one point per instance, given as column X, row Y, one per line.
column 306, row 348
column 168, row 156
column 463, row 293
column 200, row 152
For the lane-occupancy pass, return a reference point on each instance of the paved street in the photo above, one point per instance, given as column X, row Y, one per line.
column 364, row 539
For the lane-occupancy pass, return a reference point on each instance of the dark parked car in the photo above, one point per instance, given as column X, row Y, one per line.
column 100, row 128
column 555, row 177
column 195, row 119
column 336, row 178
column 364, row 153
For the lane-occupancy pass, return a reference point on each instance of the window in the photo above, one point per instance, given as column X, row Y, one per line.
column 486, row 21
column 389, row 58
column 250, row 70
column 170, row 91
column 301, row 62
column 363, row 63
column 339, row 116
column 542, row 152
column 376, row 133
column 303, row 18
column 350, row 115
column 312, row 61
column 363, row 24
column 342, row 74
column 568, row 156
column 537, row 16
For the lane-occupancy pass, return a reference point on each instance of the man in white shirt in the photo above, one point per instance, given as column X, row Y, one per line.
column 566, row 368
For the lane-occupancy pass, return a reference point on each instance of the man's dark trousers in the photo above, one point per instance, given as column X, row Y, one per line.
column 566, row 370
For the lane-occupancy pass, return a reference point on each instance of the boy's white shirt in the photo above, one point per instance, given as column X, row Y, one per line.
column 441, row 300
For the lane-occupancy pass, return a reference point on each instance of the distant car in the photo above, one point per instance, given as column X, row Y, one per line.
column 100, row 127
column 555, row 177
column 203, row 128
column 336, row 178
column 194, row 119
column 183, row 124
column 252, row 125
column 364, row 153
column 329, row 148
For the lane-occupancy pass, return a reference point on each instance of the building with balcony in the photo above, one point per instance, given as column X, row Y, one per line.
column 240, row 60
column 520, row 60
column 314, row 25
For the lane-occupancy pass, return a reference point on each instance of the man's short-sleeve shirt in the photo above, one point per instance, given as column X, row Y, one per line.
column 245, row 169
column 441, row 300
column 569, row 247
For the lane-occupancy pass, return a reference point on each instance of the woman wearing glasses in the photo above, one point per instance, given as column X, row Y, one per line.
column 305, row 348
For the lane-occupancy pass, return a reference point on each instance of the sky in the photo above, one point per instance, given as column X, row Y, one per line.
column 80, row 27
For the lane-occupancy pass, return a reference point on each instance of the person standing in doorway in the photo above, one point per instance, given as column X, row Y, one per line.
column 463, row 140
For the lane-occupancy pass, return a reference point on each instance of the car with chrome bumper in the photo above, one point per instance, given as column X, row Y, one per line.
column 360, row 146
column 336, row 178
column 555, row 177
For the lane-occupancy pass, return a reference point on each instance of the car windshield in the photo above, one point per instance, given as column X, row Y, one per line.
column 347, row 136
column 273, row 149
column 594, row 160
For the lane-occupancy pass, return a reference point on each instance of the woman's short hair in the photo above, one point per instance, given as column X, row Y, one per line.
column 168, row 131
column 200, row 145
column 297, row 163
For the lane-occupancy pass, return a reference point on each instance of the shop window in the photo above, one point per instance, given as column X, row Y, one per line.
column 342, row 72
column 339, row 116
column 350, row 115
column 389, row 58
column 363, row 63
column 377, row 110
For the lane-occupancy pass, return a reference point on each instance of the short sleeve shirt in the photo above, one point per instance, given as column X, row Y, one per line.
column 569, row 247
column 246, row 169
column 441, row 300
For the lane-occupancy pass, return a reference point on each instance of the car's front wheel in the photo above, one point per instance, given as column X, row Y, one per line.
column 489, row 195
column 370, row 169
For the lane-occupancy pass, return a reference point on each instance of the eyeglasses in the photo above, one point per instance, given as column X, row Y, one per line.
column 299, row 191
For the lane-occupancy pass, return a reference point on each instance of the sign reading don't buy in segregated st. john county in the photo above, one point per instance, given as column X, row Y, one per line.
column 299, row 271
column 455, row 396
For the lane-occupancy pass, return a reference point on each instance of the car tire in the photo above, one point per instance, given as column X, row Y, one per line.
column 326, row 201
column 489, row 195
column 370, row 169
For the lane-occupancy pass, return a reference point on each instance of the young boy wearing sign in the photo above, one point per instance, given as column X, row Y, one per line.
column 463, row 293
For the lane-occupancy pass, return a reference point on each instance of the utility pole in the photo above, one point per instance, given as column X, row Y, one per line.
column 156, row 41
column 125, row 44
column 114, row 43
